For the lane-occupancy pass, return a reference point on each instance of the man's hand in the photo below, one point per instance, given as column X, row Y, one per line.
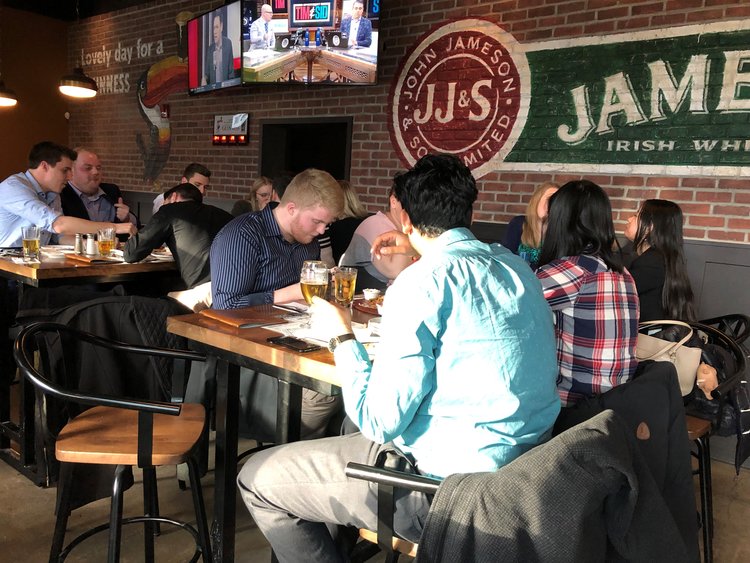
column 122, row 211
column 126, row 228
column 328, row 319
column 390, row 243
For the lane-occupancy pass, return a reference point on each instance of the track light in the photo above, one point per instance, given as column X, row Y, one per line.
column 78, row 85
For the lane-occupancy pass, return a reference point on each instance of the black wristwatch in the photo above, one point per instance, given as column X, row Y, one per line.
column 336, row 340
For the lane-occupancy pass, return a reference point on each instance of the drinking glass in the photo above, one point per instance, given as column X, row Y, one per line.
column 344, row 281
column 30, row 236
column 105, row 240
column 314, row 279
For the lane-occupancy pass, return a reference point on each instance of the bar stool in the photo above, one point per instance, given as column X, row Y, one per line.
column 121, row 432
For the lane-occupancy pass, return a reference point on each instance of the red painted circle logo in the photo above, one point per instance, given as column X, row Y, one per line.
column 463, row 90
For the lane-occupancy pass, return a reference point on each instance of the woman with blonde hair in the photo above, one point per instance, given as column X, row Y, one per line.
column 525, row 232
column 342, row 231
column 261, row 194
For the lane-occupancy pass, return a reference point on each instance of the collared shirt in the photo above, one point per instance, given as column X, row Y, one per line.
column 596, row 324
column 464, row 379
column 250, row 259
column 23, row 203
column 97, row 206
column 258, row 30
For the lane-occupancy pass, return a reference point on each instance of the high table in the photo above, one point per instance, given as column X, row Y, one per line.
column 234, row 348
column 54, row 273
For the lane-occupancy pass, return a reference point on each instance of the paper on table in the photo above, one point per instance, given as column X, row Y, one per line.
column 298, row 329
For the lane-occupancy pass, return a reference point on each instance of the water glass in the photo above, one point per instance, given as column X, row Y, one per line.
column 30, row 237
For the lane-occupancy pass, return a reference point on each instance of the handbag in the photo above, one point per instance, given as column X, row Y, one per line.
column 685, row 359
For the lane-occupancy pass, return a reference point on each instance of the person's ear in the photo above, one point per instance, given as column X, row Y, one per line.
column 406, row 225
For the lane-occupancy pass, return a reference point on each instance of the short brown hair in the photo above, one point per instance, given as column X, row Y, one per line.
column 315, row 187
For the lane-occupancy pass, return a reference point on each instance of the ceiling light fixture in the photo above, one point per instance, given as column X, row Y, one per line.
column 78, row 85
column 7, row 97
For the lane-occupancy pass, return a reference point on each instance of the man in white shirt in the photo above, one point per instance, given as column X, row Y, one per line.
column 195, row 174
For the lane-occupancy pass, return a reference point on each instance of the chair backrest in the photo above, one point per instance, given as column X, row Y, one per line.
column 30, row 339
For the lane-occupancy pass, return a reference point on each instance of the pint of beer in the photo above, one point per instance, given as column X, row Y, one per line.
column 344, row 281
column 314, row 279
column 30, row 237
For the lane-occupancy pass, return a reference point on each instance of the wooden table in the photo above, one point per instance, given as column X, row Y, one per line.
column 234, row 348
column 53, row 273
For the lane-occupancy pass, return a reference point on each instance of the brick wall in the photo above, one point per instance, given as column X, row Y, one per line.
column 716, row 208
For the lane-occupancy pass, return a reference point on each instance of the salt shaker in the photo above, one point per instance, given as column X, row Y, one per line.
column 78, row 248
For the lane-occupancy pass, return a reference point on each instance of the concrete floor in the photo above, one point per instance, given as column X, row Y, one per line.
column 27, row 520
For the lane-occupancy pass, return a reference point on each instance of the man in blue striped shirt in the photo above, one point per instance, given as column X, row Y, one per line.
column 256, row 259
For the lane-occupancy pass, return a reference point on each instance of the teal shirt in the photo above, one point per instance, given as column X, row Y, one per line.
column 465, row 374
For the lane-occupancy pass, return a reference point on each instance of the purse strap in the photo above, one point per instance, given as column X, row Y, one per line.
column 670, row 323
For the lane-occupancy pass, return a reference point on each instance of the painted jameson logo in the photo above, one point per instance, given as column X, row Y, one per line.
column 668, row 101
column 463, row 90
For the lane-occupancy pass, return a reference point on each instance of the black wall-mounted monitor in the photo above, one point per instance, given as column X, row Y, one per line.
column 215, row 48
column 314, row 42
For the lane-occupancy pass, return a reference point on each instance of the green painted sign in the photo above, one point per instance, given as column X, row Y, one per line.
column 644, row 101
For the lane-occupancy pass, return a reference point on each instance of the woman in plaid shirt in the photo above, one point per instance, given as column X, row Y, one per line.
column 593, row 297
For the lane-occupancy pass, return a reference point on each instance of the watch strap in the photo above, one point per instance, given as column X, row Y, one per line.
column 336, row 340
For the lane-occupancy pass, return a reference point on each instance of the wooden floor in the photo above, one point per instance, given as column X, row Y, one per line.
column 27, row 519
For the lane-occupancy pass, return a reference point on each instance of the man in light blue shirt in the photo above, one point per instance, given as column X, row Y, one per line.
column 32, row 198
column 464, row 380
column 261, row 32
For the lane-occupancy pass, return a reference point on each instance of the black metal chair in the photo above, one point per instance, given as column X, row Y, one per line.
column 701, row 428
column 119, row 432
column 387, row 480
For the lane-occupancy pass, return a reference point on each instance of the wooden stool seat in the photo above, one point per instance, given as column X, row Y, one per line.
column 109, row 436
column 402, row 546
column 697, row 427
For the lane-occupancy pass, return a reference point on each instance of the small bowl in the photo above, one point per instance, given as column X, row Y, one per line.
column 371, row 294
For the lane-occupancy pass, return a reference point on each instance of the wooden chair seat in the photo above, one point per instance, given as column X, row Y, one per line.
column 697, row 427
column 109, row 436
column 402, row 546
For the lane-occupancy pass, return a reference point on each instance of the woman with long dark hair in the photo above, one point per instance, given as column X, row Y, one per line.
column 592, row 295
column 659, row 269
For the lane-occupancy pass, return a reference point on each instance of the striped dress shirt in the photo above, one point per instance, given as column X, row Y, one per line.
column 250, row 259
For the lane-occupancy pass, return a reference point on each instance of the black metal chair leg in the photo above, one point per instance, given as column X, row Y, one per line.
column 149, row 509
column 64, row 482
column 704, row 479
column 200, row 509
column 115, row 516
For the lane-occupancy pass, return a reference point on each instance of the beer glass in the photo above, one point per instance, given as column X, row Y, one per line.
column 30, row 237
column 105, row 240
column 344, row 281
column 314, row 279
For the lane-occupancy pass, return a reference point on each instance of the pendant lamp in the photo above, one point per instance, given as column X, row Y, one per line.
column 78, row 85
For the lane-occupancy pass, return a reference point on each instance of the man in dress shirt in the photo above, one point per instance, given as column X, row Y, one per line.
column 358, row 29
column 261, row 34
column 195, row 174
column 187, row 226
column 257, row 259
column 219, row 61
column 87, row 197
column 32, row 198
column 465, row 377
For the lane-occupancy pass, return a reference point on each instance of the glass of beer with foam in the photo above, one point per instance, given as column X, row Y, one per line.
column 314, row 279
column 30, row 237
column 105, row 240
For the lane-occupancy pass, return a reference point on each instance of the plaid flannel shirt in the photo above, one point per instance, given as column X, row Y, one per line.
column 596, row 324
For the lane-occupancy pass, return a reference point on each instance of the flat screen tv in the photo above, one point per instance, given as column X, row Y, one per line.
column 314, row 42
column 215, row 48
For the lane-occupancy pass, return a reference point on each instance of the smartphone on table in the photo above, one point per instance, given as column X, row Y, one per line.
column 294, row 343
